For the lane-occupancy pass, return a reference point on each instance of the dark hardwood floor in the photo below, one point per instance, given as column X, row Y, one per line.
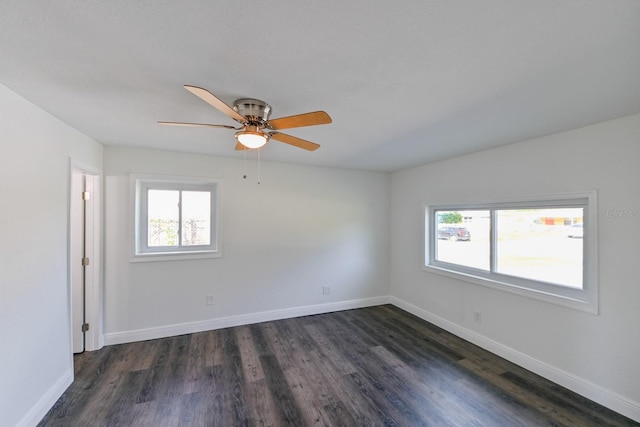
column 366, row 367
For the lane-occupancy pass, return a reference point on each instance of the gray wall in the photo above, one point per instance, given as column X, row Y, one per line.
column 36, row 150
column 283, row 239
column 595, row 354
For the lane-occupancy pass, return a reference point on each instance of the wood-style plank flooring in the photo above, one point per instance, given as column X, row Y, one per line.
column 367, row 367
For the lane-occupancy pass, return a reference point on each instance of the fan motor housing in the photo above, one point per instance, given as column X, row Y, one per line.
column 253, row 109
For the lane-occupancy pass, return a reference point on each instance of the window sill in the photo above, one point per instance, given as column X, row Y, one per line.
column 573, row 303
column 175, row 256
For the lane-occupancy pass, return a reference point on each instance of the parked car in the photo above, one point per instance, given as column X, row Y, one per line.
column 454, row 233
column 576, row 230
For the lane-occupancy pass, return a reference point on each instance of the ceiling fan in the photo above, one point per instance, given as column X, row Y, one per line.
column 256, row 129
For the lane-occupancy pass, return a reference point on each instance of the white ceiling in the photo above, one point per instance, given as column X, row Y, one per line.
column 406, row 82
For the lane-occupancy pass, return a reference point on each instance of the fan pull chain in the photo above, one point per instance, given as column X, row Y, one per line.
column 259, row 165
column 244, row 164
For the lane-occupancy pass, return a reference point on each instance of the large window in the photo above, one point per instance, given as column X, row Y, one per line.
column 544, row 248
column 175, row 217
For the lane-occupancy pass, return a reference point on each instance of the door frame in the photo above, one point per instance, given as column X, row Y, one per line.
column 94, row 236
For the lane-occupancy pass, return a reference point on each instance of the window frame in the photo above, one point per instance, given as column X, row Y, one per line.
column 585, row 299
column 141, row 184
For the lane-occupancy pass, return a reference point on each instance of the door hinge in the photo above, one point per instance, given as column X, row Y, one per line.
column 85, row 327
column 86, row 195
column 85, row 261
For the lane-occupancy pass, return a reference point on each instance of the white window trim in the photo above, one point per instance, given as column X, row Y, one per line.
column 138, row 182
column 583, row 300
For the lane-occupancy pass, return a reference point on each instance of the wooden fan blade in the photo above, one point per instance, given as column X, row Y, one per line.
column 241, row 147
column 211, row 99
column 307, row 119
column 196, row 124
column 296, row 142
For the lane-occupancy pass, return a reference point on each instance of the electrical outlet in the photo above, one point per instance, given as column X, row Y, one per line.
column 209, row 299
column 477, row 316
column 326, row 290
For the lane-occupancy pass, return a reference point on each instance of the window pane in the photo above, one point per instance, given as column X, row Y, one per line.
column 541, row 244
column 196, row 218
column 163, row 219
column 463, row 238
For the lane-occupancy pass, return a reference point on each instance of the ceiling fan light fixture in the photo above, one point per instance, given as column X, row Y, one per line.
column 252, row 137
column 253, row 115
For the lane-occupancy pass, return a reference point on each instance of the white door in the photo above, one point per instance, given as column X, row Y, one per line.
column 84, row 261
column 77, row 253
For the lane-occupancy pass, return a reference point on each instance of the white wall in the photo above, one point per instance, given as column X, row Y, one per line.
column 35, row 359
column 597, row 355
column 282, row 240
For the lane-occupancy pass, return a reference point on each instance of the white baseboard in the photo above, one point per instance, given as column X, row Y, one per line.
column 46, row 402
column 583, row 387
column 243, row 319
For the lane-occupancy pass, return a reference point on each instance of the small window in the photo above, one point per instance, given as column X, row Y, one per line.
column 175, row 218
column 544, row 248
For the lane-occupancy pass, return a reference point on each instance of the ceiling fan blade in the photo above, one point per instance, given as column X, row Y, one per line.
column 212, row 100
column 241, row 147
column 307, row 119
column 296, row 142
column 196, row 124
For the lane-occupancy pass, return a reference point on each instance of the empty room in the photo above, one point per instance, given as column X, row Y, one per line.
column 418, row 213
